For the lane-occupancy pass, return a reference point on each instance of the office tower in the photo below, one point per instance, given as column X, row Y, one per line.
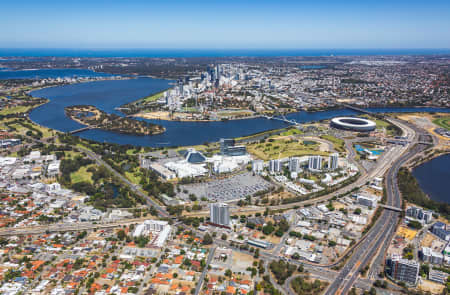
column 294, row 164
column 257, row 166
column 218, row 72
column 315, row 163
column 219, row 214
column 333, row 161
column 274, row 166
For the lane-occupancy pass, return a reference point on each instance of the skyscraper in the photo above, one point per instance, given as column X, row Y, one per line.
column 315, row 163
column 257, row 166
column 294, row 164
column 333, row 161
column 219, row 214
column 274, row 166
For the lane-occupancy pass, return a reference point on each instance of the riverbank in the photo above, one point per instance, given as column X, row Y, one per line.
column 184, row 117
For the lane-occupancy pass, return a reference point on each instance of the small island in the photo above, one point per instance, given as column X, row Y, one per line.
column 92, row 117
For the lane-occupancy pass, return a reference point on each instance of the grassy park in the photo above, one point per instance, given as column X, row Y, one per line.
column 339, row 144
column 443, row 122
column 81, row 175
column 15, row 110
column 153, row 97
column 282, row 147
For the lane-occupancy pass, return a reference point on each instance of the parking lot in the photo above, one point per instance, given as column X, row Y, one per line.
column 233, row 188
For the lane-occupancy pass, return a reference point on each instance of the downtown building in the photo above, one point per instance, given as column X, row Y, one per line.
column 219, row 214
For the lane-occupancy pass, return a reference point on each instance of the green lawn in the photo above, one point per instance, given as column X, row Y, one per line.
column 134, row 151
column 13, row 110
column 153, row 97
column 81, row 175
column 237, row 113
column 339, row 144
column 133, row 176
column 71, row 154
column 282, row 148
column 291, row 131
column 443, row 122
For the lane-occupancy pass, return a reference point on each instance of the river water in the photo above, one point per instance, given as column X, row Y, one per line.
column 107, row 95
column 434, row 177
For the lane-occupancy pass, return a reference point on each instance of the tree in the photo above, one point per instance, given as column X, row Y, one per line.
column 415, row 224
column 224, row 237
column 268, row 228
column 207, row 239
column 424, row 270
column 256, row 255
column 121, row 235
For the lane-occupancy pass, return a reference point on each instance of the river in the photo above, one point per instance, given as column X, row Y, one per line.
column 433, row 177
column 107, row 95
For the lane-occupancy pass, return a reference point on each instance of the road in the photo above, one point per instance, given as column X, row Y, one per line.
column 65, row 227
column 382, row 166
column 378, row 238
column 135, row 188
column 98, row 159
column 205, row 271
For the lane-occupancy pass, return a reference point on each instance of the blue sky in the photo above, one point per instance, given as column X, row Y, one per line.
column 225, row 24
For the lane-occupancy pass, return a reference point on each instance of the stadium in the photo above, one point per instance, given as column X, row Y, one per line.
column 353, row 123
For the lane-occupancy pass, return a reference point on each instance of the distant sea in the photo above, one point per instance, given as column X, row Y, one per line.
column 49, row 73
column 21, row 52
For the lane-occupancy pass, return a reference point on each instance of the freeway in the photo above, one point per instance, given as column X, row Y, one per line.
column 381, row 233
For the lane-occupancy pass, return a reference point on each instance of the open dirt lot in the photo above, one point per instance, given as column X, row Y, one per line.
column 407, row 233
column 429, row 286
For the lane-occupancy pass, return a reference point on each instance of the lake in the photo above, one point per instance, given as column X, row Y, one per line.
column 433, row 177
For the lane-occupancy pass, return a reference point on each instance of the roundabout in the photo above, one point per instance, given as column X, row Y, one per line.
column 353, row 123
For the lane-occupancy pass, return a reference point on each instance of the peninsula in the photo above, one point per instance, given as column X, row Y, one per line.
column 93, row 117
